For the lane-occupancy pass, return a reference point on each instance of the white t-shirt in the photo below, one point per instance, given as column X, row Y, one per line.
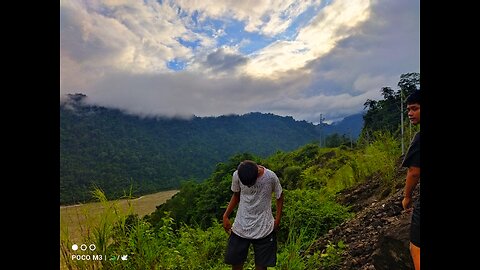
column 254, row 218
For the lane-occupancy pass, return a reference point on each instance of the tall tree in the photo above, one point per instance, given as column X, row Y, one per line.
column 385, row 114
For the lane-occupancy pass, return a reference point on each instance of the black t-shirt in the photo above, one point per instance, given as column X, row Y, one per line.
column 412, row 158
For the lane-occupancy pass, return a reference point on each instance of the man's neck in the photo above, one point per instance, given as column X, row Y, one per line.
column 261, row 170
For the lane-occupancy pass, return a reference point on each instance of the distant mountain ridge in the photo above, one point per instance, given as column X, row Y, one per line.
column 117, row 151
column 350, row 125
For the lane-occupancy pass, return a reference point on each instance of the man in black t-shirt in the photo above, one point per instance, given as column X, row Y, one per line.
column 412, row 161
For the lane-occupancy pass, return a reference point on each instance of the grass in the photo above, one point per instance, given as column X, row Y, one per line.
column 75, row 220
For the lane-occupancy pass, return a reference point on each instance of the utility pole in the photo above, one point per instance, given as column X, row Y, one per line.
column 401, row 118
column 350, row 133
column 410, row 131
column 321, row 129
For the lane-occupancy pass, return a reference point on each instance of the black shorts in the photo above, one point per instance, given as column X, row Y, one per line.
column 265, row 250
column 415, row 225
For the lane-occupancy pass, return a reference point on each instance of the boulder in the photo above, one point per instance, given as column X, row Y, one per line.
column 392, row 248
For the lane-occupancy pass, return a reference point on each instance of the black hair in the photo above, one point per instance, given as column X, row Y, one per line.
column 414, row 98
column 248, row 172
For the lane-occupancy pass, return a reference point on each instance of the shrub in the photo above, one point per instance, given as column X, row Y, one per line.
column 309, row 209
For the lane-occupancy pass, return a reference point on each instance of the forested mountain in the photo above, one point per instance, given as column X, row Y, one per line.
column 350, row 125
column 116, row 151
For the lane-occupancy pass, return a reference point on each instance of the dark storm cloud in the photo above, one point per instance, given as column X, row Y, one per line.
column 220, row 60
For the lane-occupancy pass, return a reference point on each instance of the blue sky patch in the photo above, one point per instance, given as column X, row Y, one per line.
column 299, row 22
column 176, row 64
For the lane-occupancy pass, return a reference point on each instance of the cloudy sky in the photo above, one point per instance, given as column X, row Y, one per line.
column 211, row 57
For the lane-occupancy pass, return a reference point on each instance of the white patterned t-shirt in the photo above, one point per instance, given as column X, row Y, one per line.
column 254, row 218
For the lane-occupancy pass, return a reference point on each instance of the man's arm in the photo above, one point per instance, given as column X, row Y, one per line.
column 231, row 205
column 278, row 215
column 413, row 177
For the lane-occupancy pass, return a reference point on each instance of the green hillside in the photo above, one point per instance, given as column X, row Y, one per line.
column 115, row 151
column 186, row 231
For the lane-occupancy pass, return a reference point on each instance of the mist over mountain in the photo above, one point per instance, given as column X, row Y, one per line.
column 122, row 153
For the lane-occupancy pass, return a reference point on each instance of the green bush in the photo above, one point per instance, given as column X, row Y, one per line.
column 314, row 177
column 292, row 178
column 332, row 256
column 342, row 178
column 377, row 159
column 310, row 210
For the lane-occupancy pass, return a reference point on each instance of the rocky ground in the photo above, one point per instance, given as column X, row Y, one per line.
column 378, row 236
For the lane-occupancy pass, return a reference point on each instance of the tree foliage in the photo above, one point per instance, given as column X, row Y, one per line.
column 335, row 140
column 116, row 151
column 200, row 203
column 385, row 114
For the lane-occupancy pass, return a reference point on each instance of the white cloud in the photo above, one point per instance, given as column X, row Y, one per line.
column 115, row 52
column 365, row 82
column 132, row 36
column 332, row 24
column 309, row 108
column 181, row 94
column 268, row 17
column 375, row 55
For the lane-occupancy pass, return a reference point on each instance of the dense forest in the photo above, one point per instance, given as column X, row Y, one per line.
column 120, row 153
column 186, row 231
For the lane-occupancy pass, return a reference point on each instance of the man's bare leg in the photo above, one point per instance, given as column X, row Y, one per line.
column 415, row 252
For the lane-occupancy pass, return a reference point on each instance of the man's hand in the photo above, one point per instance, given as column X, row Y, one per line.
column 231, row 205
column 226, row 224
column 413, row 177
column 278, row 214
column 407, row 203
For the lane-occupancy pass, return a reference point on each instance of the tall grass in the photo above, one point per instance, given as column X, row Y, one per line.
column 118, row 233
column 95, row 230
column 341, row 179
column 292, row 253
column 377, row 159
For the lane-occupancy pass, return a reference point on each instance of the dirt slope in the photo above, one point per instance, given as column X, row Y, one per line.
column 378, row 236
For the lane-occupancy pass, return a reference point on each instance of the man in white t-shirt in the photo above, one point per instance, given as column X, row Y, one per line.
column 253, row 186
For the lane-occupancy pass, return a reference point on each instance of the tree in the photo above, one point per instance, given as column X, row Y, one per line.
column 408, row 83
column 388, row 93
column 371, row 104
column 383, row 115
column 335, row 140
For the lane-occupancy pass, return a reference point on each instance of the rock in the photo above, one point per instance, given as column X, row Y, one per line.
column 368, row 267
column 393, row 246
column 377, row 223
